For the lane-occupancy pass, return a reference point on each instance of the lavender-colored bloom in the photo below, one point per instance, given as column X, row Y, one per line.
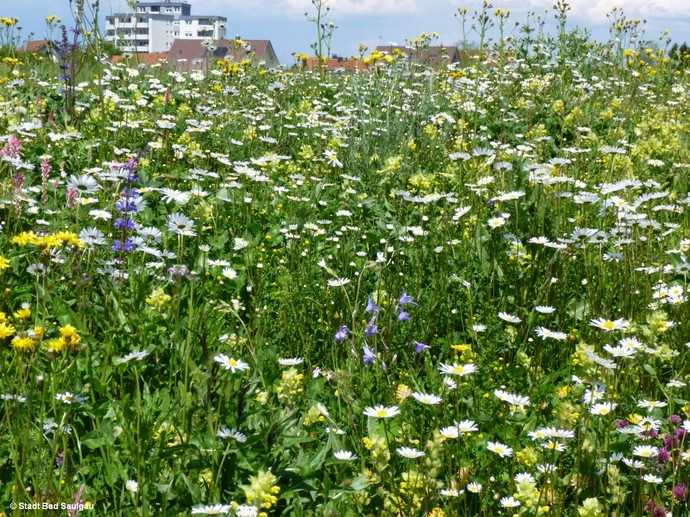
column 419, row 347
column 126, row 246
column 679, row 434
column 659, row 511
column 675, row 419
column 680, row 491
column 131, row 169
column 342, row 333
column 125, row 224
column 663, row 456
column 130, row 205
column 403, row 316
column 371, row 329
column 178, row 270
column 406, row 299
column 368, row 355
column 372, row 308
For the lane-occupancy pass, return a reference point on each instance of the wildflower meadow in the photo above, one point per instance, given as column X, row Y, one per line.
column 402, row 291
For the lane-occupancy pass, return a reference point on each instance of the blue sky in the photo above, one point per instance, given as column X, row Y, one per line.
column 371, row 21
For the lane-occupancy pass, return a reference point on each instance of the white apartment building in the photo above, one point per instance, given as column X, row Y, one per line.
column 155, row 26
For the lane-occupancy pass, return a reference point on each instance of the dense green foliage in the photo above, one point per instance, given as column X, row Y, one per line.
column 212, row 280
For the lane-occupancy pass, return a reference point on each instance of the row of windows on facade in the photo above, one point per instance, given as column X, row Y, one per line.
column 144, row 19
column 157, row 9
column 145, row 31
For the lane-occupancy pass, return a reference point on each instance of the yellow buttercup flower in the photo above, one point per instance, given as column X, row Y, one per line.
column 70, row 335
column 24, row 313
column 23, row 343
column 56, row 345
column 6, row 330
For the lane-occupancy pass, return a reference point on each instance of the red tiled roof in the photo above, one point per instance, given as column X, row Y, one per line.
column 37, row 45
column 191, row 50
column 429, row 56
column 350, row 64
column 147, row 58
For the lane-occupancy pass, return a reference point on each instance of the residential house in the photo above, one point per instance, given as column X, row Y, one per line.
column 335, row 64
column 154, row 26
column 186, row 55
column 434, row 57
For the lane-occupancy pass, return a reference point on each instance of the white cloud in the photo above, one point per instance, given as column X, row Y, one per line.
column 361, row 6
column 595, row 11
column 299, row 7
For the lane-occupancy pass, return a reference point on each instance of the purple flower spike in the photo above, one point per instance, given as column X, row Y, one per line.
column 406, row 299
column 342, row 334
column 372, row 308
column 419, row 347
column 368, row 355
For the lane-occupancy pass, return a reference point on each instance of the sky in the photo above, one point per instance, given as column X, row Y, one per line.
column 372, row 22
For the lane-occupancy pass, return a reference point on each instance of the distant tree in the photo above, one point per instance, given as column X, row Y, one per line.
column 680, row 54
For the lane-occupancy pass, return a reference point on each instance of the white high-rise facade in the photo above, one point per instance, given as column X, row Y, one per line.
column 155, row 25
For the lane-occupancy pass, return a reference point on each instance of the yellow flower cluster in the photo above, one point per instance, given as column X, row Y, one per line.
column 11, row 61
column 49, row 241
column 69, row 338
column 8, row 22
column 231, row 67
column 158, row 299
column 262, row 490
column 290, row 384
column 27, row 339
column 4, row 264
column 377, row 57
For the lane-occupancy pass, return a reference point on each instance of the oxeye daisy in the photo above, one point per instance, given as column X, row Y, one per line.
column 609, row 325
column 338, row 282
column 409, row 452
column 646, row 451
column 291, row 361
column 545, row 333
column 180, row 224
column 509, row 502
column 344, row 455
column 382, row 411
column 211, row 509
column 509, row 318
column 458, row 369
column 428, row 399
column 474, row 487
column 230, row 363
column 512, row 398
column 603, row 408
column 224, row 433
column 499, row 448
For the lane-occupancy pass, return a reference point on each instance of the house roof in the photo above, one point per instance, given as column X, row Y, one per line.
column 37, row 45
column 147, row 58
column 350, row 64
column 191, row 49
column 187, row 49
column 429, row 55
